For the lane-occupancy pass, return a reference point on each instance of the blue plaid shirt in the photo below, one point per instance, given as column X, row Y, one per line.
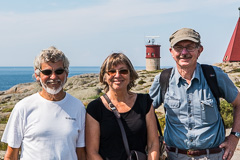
column 192, row 117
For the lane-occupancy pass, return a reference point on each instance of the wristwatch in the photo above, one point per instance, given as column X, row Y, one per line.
column 237, row 134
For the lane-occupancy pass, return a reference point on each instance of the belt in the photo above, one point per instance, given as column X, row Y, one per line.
column 198, row 152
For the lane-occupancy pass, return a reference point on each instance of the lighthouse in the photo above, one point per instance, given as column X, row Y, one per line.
column 152, row 54
column 233, row 51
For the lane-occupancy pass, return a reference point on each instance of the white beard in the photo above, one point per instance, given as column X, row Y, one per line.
column 53, row 91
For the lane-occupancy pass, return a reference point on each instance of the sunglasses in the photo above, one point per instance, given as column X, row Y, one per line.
column 114, row 72
column 48, row 72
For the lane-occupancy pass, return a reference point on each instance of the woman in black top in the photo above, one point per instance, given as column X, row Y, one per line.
column 103, row 135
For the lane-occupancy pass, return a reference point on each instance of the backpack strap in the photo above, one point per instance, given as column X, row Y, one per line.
column 211, row 79
column 164, row 82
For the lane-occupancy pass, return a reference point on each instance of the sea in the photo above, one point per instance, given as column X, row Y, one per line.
column 11, row 76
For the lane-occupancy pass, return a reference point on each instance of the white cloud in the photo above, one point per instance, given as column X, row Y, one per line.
column 99, row 28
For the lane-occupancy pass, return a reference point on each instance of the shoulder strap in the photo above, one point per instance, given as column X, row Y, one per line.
column 117, row 115
column 211, row 79
column 164, row 82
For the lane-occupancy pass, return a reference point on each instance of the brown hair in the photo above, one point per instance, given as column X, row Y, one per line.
column 113, row 60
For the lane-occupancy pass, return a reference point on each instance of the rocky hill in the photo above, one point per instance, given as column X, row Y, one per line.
column 87, row 88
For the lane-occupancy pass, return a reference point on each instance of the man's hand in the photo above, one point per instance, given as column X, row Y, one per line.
column 229, row 146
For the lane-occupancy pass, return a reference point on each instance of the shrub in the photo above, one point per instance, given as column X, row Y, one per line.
column 3, row 146
column 226, row 110
column 7, row 110
column 161, row 120
column 236, row 70
column 141, row 82
column 237, row 84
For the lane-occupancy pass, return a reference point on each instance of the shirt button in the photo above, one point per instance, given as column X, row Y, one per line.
column 191, row 140
column 189, row 101
column 190, row 128
column 190, row 115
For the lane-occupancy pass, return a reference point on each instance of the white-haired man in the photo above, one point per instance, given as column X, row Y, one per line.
column 49, row 124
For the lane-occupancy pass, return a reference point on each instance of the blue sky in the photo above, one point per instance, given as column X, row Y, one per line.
column 87, row 31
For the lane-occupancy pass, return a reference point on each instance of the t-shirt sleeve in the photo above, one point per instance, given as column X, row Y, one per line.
column 94, row 109
column 13, row 133
column 81, row 136
column 154, row 92
column 145, row 102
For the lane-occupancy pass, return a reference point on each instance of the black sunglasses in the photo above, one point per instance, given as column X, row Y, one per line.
column 114, row 72
column 48, row 72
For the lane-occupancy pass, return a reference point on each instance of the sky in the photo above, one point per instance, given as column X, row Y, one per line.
column 87, row 31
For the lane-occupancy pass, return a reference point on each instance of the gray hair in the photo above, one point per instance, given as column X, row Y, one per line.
column 52, row 54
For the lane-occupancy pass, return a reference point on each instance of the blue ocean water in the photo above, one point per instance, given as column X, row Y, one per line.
column 10, row 76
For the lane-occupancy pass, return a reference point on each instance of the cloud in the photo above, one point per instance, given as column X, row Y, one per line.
column 98, row 28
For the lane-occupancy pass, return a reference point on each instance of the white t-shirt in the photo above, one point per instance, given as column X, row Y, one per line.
column 46, row 130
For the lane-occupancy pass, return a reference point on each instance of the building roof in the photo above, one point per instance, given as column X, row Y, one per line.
column 233, row 51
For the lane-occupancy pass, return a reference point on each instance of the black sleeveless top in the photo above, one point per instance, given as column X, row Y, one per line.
column 134, row 122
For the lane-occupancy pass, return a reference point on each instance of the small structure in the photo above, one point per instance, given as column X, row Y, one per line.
column 152, row 54
column 233, row 51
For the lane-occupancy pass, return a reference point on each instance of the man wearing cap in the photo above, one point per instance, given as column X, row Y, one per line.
column 194, row 128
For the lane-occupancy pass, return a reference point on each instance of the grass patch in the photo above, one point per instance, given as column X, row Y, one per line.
column 141, row 81
column 97, row 96
column 161, row 120
column 237, row 84
column 156, row 71
column 3, row 146
column 7, row 110
column 236, row 70
column 4, row 120
column 227, row 113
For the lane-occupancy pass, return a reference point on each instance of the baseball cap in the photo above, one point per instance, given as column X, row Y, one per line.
column 184, row 34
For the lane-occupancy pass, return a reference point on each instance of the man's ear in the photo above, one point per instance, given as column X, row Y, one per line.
column 37, row 74
column 171, row 50
column 200, row 50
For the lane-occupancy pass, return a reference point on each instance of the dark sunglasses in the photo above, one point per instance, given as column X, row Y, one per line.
column 114, row 72
column 48, row 72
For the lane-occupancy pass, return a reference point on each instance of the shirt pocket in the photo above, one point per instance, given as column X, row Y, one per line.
column 172, row 110
column 209, row 112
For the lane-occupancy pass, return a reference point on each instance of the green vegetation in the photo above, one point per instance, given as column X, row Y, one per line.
column 237, row 84
column 161, row 120
column 95, row 97
column 227, row 113
column 236, row 70
column 3, row 146
column 157, row 71
column 4, row 120
column 141, row 81
column 7, row 110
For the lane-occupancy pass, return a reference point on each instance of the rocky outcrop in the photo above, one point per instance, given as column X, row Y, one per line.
column 87, row 87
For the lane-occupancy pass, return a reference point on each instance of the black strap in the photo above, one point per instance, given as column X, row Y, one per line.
column 211, row 79
column 164, row 82
column 208, row 73
column 118, row 116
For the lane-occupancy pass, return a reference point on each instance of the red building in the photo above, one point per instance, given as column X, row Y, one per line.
column 152, row 55
column 233, row 51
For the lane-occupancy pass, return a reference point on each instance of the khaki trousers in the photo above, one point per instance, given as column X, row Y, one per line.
column 179, row 156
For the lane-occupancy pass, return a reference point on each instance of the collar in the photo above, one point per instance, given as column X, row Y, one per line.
column 178, row 77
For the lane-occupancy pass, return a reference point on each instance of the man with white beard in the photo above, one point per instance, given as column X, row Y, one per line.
column 50, row 124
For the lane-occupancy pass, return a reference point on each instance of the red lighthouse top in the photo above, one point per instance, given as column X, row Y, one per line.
column 152, row 48
column 152, row 51
column 233, row 51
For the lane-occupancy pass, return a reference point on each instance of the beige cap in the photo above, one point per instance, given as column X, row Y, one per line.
column 184, row 34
